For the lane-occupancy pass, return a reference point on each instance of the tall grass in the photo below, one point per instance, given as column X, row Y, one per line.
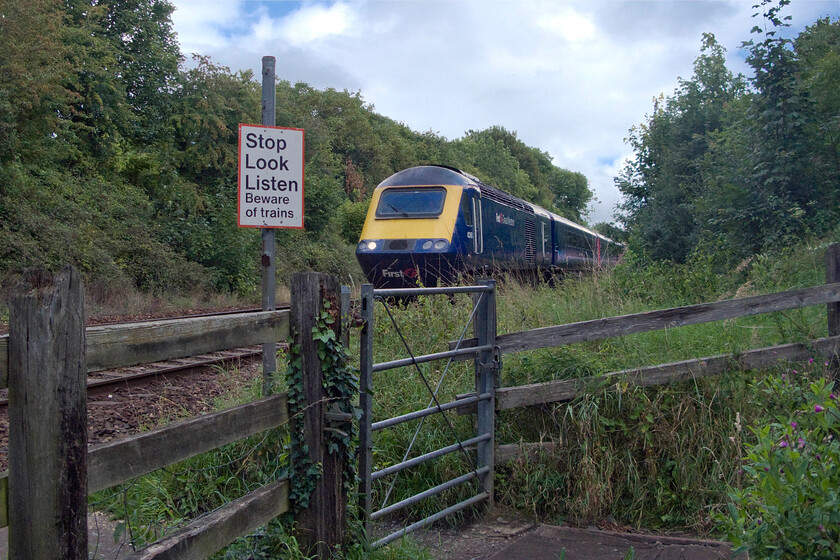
column 658, row 457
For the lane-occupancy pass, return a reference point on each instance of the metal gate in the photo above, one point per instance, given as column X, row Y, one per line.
column 486, row 362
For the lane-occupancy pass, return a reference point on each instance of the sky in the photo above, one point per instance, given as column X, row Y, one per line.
column 568, row 77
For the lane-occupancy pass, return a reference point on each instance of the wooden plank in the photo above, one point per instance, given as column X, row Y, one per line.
column 568, row 389
column 47, row 418
column 524, row 451
column 111, row 346
column 116, row 462
column 212, row 532
column 597, row 329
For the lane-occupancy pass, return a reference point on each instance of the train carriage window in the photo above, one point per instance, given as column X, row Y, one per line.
column 411, row 203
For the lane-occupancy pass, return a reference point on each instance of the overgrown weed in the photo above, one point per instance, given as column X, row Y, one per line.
column 659, row 457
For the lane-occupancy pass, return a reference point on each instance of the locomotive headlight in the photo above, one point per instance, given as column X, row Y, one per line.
column 441, row 244
column 371, row 245
column 427, row 245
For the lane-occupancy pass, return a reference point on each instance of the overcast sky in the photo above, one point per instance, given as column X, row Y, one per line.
column 568, row 77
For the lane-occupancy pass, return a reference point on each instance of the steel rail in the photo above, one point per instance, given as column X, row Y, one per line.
column 431, row 519
column 430, row 357
column 396, row 420
column 428, row 457
column 428, row 493
column 395, row 292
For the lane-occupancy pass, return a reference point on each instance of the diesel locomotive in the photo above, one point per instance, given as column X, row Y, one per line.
column 431, row 223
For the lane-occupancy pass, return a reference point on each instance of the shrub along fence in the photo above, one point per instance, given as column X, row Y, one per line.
column 44, row 362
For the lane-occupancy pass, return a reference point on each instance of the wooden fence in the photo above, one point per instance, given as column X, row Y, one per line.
column 44, row 361
column 598, row 329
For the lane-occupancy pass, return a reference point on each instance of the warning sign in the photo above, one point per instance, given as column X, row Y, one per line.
column 270, row 176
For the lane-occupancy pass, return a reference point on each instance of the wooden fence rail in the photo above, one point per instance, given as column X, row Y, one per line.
column 48, row 452
column 599, row 329
column 113, row 346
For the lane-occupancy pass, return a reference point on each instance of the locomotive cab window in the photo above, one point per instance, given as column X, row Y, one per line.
column 411, row 203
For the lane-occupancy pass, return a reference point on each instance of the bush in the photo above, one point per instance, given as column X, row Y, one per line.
column 350, row 219
column 789, row 506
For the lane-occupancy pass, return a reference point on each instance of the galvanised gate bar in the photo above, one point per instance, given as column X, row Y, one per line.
column 484, row 354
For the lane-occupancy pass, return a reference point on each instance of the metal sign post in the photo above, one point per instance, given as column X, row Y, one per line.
column 270, row 192
column 269, row 276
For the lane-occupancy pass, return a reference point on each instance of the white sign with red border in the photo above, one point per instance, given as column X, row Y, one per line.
column 270, row 176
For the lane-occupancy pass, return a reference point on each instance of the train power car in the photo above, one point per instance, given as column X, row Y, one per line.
column 431, row 223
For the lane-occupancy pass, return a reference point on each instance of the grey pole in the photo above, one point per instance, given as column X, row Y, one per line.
column 366, row 404
column 269, row 277
column 485, row 383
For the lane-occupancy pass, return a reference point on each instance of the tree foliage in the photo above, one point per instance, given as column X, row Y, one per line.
column 118, row 155
column 736, row 166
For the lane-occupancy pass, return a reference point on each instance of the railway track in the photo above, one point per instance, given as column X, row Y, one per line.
column 105, row 381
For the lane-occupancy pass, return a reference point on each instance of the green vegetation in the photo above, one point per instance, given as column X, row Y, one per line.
column 736, row 164
column 118, row 156
column 663, row 457
column 785, row 501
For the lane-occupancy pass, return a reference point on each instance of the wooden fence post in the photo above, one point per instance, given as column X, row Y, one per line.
column 47, row 418
column 832, row 275
column 322, row 524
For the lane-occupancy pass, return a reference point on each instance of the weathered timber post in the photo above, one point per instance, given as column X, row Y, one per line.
column 485, row 382
column 47, row 418
column 832, row 275
column 322, row 524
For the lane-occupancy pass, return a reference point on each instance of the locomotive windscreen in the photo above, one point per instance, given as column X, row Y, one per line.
column 426, row 202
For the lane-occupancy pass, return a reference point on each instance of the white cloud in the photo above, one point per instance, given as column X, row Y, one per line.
column 570, row 78
column 204, row 26
column 313, row 22
column 569, row 24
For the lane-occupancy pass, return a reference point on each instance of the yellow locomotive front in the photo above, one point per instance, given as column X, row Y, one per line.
column 407, row 239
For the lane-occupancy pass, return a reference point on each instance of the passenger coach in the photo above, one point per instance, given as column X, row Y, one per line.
column 430, row 223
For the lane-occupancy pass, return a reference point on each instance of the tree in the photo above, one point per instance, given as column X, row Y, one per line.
column 818, row 52
column 33, row 66
column 665, row 181
column 147, row 54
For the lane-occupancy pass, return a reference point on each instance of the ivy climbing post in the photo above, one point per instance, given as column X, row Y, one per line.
column 321, row 387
